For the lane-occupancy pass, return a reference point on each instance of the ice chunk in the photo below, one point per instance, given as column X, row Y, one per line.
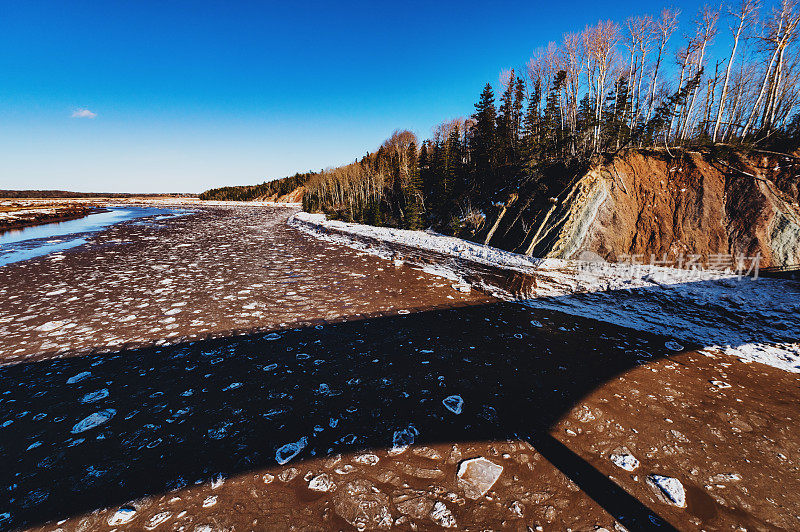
column 51, row 326
column 442, row 515
column 413, row 503
column 367, row 459
column 670, row 489
column 122, row 516
column 625, row 460
column 675, row 346
column 477, row 476
column 79, row 377
column 210, row 501
column 402, row 439
column 157, row 519
column 362, row 505
column 453, row 403
column 94, row 420
column 321, row 482
column 290, row 450
column 95, row 396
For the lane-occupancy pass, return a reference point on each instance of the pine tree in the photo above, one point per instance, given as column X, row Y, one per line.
column 412, row 191
column 505, row 123
column 531, row 126
column 553, row 118
column 519, row 103
column 484, row 144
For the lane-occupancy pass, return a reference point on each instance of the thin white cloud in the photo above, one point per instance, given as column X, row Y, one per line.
column 83, row 113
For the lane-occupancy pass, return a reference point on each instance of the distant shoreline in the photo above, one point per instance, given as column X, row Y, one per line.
column 30, row 217
column 66, row 194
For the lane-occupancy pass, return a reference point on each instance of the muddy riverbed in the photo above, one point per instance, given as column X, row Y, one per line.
column 223, row 371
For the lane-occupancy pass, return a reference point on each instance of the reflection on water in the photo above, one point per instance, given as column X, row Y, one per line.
column 30, row 242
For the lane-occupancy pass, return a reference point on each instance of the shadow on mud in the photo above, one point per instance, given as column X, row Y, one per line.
column 87, row 432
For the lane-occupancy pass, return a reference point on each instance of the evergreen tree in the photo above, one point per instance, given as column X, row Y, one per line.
column 531, row 127
column 519, row 103
column 553, row 126
column 506, row 123
column 412, row 191
column 484, row 144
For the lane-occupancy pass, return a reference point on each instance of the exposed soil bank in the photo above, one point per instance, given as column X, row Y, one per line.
column 669, row 205
column 102, row 429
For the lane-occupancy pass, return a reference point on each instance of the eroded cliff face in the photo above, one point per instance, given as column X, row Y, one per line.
column 295, row 196
column 643, row 204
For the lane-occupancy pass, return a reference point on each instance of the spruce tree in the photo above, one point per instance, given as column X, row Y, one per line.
column 505, row 123
column 412, row 191
column 484, row 144
column 531, row 141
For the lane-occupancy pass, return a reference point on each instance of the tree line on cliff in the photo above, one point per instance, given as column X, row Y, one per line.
column 608, row 88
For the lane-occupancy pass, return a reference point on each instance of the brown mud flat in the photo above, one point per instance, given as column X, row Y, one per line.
column 348, row 351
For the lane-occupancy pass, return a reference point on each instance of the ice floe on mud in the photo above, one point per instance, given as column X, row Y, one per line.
column 755, row 320
column 79, row 377
column 669, row 489
column 94, row 420
column 122, row 516
column 453, row 403
column 625, row 460
column 476, row 476
column 286, row 452
column 95, row 396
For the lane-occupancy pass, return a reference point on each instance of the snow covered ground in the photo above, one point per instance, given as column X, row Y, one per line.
column 756, row 320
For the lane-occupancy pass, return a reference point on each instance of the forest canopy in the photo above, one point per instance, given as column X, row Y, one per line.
column 612, row 86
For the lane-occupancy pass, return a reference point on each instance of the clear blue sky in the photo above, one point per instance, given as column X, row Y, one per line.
column 192, row 95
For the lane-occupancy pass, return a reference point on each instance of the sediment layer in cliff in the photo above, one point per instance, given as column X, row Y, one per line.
column 669, row 205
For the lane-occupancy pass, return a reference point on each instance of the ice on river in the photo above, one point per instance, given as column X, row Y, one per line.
column 453, row 403
column 286, row 452
column 94, row 420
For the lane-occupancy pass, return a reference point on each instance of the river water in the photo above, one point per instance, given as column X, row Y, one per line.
column 39, row 240
column 224, row 371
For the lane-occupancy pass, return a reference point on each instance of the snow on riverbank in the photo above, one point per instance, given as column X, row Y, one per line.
column 754, row 320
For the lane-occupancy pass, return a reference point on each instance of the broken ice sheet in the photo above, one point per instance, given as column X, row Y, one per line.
column 321, row 482
column 95, row 396
column 94, row 420
column 79, row 377
column 476, row 476
column 625, row 460
column 122, row 516
column 675, row 346
column 402, row 439
column 453, row 403
column 286, row 452
column 669, row 489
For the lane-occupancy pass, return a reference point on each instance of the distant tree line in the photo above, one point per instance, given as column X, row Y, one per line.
column 20, row 194
column 255, row 192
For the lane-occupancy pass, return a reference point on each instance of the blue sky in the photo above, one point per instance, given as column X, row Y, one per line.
column 192, row 95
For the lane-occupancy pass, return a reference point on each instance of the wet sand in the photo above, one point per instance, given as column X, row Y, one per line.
column 154, row 377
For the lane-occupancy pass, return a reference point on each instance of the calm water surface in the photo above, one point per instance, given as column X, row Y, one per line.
column 30, row 242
